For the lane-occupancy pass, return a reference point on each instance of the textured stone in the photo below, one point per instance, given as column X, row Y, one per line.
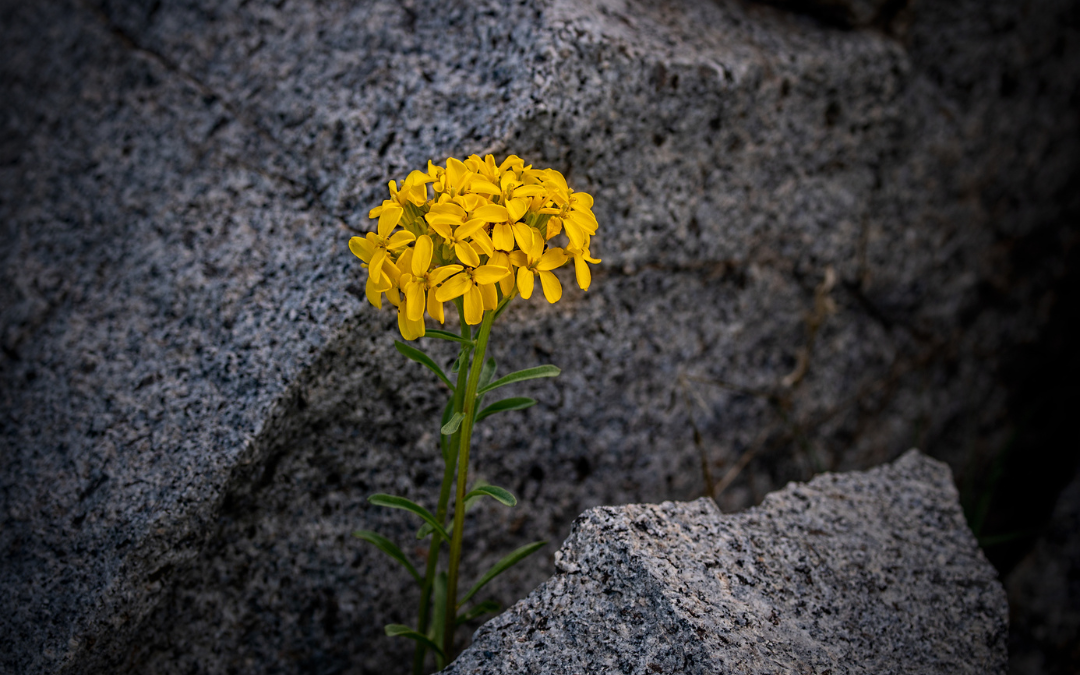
column 870, row 572
column 195, row 400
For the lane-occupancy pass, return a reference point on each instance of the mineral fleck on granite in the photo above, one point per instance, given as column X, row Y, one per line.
column 871, row 572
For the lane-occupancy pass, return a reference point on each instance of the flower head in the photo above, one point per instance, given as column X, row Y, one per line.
column 481, row 232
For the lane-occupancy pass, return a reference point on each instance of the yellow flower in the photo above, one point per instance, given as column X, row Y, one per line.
column 420, row 282
column 376, row 246
column 460, row 234
column 478, row 286
column 581, row 256
column 481, row 231
column 533, row 261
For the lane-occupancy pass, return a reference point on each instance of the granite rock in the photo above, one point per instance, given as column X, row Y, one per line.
column 871, row 572
column 195, row 399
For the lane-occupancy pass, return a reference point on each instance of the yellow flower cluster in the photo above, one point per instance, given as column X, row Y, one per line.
column 483, row 231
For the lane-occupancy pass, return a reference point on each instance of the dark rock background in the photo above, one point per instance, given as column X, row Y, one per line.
column 828, row 235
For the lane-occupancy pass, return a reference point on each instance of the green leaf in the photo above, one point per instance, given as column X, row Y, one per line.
column 389, row 548
column 478, row 610
column 521, row 375
column 516, row 403
column 395, row 629
column 426, row 529
column 497, row 493
column 445, row 335
column 451, row 426
column 423, row 359
column 503, row 565
column 402, row 503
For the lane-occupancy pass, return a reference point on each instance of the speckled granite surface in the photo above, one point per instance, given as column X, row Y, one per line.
column 870, row 572
column 194, row 401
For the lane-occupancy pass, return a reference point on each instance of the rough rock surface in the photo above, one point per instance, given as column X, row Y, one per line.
column 870, row 572
column 195, row 400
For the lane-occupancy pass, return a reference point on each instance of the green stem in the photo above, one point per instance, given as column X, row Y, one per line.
column 462, row 478
column 444, row 498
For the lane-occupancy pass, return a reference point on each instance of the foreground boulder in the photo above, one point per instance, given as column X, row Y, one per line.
column 870, row 572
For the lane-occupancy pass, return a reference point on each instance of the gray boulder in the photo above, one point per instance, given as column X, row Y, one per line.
column 870, row 572
column 814, row 244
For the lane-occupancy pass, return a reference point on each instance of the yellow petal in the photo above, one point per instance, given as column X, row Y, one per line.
column 554, row 226
column 434, row 307
column 506, row 284
column 442, row 229
column 456, row 174
column 468, row 229
column 530, row 191
column 467, row 255
column 421, row 258
column 525, row 236
column 525, row 281
column 453, row 287
column 583, row 219
column 474, row 306
column 363, row 249
column 376, row 264
column 519, row 259
column 517, row 208
column 484, row 187
column 492, row 213
column 584, row 276
column 581, row 200
column 552, row 287
column 490, row 296
column 500, row 259
column 373, row 292
column 448, row 207
column 481, row 239
column 410, row 329
column 439, row 274
column 389, row 218
column 393, row 296
column 414, row 300
column 502, row 236
column 489, row 274
column 434, row 219
column 401, row 239
column 552, row 258
column 574, row 233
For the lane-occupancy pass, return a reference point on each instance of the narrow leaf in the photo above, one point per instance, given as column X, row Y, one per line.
column 497, row 493
column 395, row 629
column 452, row 425
column 423, row 359
column 389, row 548
column 521, row 375
column 402, row 503
column 445, row 335
column 503, row 565
column 516, row 403
column 478, row 610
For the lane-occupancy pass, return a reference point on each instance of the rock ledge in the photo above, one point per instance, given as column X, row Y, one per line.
column 871, row 572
